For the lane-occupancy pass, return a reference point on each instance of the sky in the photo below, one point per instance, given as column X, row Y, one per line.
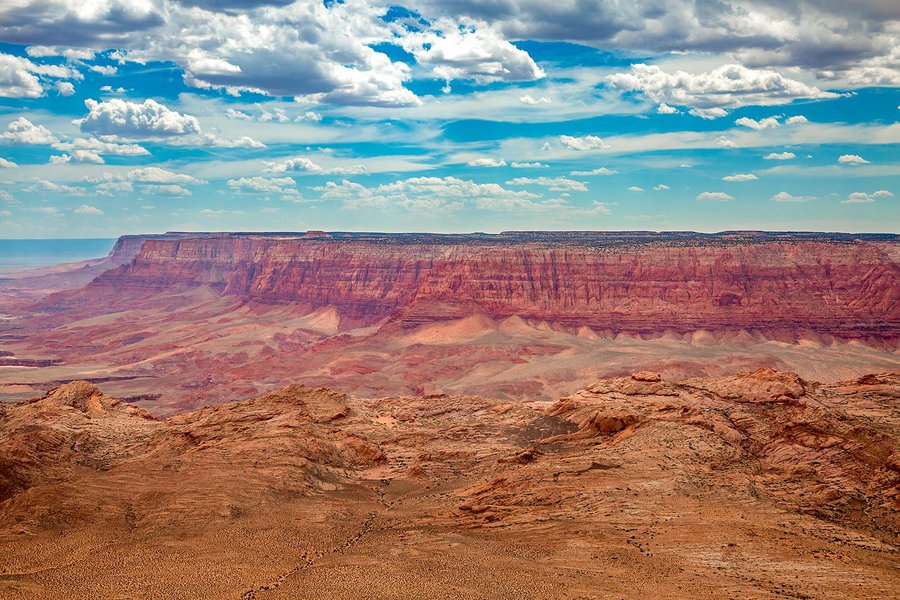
column 140, row 116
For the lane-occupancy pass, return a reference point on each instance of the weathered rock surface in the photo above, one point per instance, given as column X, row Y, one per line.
column 781, row 284
column 755, row 485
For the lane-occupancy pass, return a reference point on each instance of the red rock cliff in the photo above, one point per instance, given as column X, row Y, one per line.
column 643, row 283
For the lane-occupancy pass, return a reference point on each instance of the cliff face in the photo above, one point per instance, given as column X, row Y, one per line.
column 846, row 288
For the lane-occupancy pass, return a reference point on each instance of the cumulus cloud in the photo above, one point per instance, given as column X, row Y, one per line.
column 160, row 175
column 708, row 113
column 767, row 123
column 812, row 34
column 786, row 197
column 597, row 171
column 101, row 147
column 268, row 185
column 21, row 78
column 148, row 119
column 714, row 197
column 635, row 188
column 852, row 159
column 528, row 165
column 301, row 164
column 23, row 131
column 661, row 187
column 78, row 156
column 740, row 177
column 7, row 164
column 114, row 188
column 87, row 209
column 555, row 184
column 726, row 142
column 531, row 100
column 443, row 193
column 779, row 156
column 797, row 120
column 106, row 70
column 65, row 88
column 165, row 190
column 475, row 53
column 145, row 175
column 588, row 142
column 44, row 185
column 665, row 109
column 487, row 162
column 865, row 198
column 709, row 94
column 287, row 49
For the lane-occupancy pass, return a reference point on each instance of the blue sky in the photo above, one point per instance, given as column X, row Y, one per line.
column 129, row 116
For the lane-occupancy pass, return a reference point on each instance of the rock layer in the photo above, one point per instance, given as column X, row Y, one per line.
column 778, row 284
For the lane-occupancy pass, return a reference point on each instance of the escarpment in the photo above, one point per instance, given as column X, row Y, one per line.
column 777, row 284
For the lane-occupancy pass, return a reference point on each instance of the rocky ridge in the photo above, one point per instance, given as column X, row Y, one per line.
column 758, row 484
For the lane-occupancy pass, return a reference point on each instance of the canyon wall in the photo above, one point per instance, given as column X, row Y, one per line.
column 840, row 285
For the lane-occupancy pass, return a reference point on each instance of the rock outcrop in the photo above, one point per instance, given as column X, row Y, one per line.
column 784, row 285
column 759, row 484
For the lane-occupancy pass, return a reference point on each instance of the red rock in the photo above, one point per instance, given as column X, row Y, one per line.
column 785, row 286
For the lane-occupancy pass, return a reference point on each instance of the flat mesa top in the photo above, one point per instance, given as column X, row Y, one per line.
column 556, row 238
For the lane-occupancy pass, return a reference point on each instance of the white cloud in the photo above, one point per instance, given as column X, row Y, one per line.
column 555, row 184
column 665, row 109
column 268, row 185
column 160, row 175
column 740, row 177
column 65, row 88
column 865, row 198
column 797, row 120
column 725, row 142
column 7, row 164
column 780, row 156
column 471, row 53
column 43, row 185
column 165, row 190
column 87, row 209
column 528, row 165
column 635, row 188
column 531, row 100
column 661, row 187
column 148, row 119
column 73, row 54
column 714, row 197
column 114, row 188
column 243, row 141
column 101, row 147
column 23, row 131
column 728, row 86
column 301, row 164
column 597, row 171
column 852, row 159
column 104, row 70
column 78, row 156
column 708, row 113
column 786, row 197
column 767, row 123
column 20, row 77
column 436, row 193
column 588, row 142
column 487, row 162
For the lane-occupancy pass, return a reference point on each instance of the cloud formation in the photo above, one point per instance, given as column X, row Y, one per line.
column 710, row 93
column 147, row 119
